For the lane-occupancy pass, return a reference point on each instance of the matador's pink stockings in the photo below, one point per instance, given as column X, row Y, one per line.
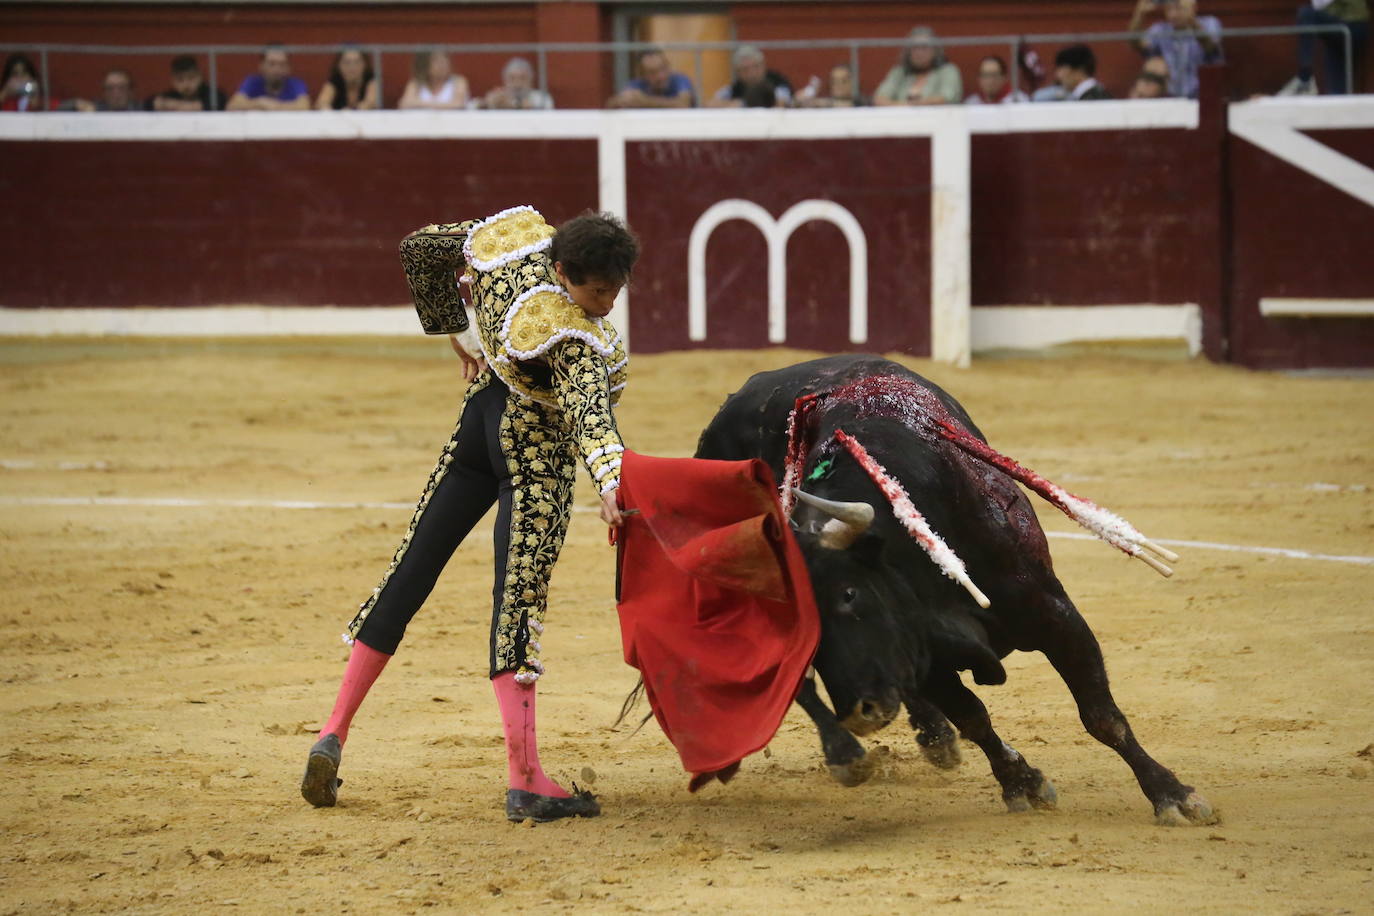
column 364, row 664
column 522, row 751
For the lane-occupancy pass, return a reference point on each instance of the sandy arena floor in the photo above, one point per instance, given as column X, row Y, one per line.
column 165, row 667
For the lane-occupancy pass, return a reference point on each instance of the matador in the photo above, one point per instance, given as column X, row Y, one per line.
column 546, row 369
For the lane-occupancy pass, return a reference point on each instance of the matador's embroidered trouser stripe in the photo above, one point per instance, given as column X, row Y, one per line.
column 505, row 451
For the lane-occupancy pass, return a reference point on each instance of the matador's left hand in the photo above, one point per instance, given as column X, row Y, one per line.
column 610, row 510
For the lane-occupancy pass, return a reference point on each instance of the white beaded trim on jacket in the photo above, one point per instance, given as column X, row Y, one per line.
column 604, row 450
column 612, row 465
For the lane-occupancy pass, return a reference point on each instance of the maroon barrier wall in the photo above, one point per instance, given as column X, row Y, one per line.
column 1089, row 217
column 885, row 184
column 272, row 222
column 1297, row 236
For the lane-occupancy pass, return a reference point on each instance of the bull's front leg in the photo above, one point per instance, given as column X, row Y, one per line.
column 1023, row 786
column 844, row 755
column 937, row 739
column 1073, row 650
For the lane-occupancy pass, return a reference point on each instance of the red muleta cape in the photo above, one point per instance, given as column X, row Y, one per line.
column 716, row 608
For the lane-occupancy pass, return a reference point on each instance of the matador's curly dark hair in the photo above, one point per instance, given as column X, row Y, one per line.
column 596, row 245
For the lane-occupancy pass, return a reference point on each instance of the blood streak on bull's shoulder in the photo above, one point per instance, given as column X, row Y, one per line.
column 918, row 408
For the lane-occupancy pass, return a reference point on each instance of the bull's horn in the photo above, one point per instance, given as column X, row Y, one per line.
column 848, row 520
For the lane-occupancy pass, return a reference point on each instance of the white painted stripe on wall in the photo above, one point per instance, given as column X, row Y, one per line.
column 993, row 327
column 688, row 124
column 1275, row 128
column 212, row 321
column 1316, row 308
column 613, row 197
column 951, row 214
column 193, row 503
column 1327, row 112
column 1029, row 327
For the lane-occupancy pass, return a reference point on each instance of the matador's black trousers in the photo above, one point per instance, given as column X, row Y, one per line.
column 505, row 452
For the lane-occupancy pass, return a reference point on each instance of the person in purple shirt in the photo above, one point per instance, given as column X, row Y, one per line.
column 1183, row 38
column 658, row 86
column 272, row 88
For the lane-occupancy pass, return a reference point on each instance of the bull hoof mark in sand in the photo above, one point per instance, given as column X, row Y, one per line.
column 1043, row 796
column 1193, row 811
column 857, row 772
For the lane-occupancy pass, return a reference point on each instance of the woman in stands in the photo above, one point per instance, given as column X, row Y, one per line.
column 922, row 76
column 542, row 400
column 434, row 84
column 19, row 87
column 351, row 83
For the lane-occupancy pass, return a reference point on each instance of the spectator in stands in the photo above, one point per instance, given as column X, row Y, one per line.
column 189, row 91
column 657, row 86
column 20, row 90
column 517, row 89
column 116, row 94
column 840, row 91
column 1184, row 39
column 351, row 83
column 754, row 86
column 1074, row 69
column 1156, row 65
column 1149, row 86
column 272, row 88
column 994, row 88
column 922, row 76
column 433, row 84
column 1354, row 16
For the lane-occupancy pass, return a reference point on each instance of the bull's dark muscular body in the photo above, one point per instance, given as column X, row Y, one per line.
column 894, row 629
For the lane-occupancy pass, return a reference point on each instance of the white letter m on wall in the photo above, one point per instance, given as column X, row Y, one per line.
column 776, row 233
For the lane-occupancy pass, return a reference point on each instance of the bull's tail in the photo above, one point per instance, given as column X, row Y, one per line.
column 631, row 701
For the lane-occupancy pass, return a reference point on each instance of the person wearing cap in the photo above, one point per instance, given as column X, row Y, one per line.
column 923, row 76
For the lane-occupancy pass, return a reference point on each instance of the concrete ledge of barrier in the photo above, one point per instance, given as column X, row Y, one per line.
column 211, row 321
column 1316, row 308
column 1033, row 327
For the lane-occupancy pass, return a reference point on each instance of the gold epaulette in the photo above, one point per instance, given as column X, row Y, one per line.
column 505, row 237
column 543, row 316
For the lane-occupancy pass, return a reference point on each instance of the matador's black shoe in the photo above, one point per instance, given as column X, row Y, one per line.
column 320, row 784
column 522, row 806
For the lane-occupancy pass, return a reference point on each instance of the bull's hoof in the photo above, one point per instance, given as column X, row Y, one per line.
column 943, row 754
column 1043, row 797
column 859, row 771
column 1193, row 811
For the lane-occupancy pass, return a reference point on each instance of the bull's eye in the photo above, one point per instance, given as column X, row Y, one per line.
column 849, row 595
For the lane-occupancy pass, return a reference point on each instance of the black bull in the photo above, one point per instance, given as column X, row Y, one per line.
column 894, row 630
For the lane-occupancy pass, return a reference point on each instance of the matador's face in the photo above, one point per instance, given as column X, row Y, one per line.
column 596, row 297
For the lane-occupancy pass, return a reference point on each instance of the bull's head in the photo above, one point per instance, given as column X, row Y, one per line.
column 867, row 659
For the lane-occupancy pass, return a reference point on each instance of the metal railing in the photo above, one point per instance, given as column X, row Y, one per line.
column 541, row 51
